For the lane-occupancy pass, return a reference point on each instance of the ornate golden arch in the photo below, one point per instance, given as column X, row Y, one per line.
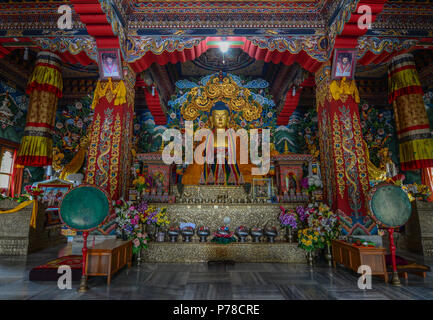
column 238, row 99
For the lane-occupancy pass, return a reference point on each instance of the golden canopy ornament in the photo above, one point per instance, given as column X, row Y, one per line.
column 238, row 99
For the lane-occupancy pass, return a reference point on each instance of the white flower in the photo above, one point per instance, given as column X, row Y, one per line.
column 173, row 115
column 78, row 105
column 270, row 114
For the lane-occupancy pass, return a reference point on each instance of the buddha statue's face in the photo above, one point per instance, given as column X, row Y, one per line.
column 220, row 119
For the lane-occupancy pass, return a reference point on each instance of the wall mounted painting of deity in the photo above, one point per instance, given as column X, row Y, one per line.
column 343, row 65
column 51, row 198
column 109, row 64
column 262, row 188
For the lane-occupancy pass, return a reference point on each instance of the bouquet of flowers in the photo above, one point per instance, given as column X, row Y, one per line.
column 302, row 216
column 139, row 242
column 156, row 216
column 129, row 224
column 141, row 183
column 319, row 220
column 288, row 218
column 311, row 183
column 34, row 192
column 327, row 223
column 128, row 218
column 309, row 239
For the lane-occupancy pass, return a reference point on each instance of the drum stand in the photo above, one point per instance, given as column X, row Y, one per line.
column 395, row 279
column 83, row 283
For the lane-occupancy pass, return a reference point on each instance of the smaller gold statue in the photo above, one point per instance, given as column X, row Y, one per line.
column 375, row 174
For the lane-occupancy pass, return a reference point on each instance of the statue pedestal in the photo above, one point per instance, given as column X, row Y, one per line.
column 208, row 206
column 242, row 214
column 193, row 252
column 419, row 228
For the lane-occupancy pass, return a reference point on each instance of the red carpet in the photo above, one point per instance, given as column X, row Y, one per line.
column 48, row 271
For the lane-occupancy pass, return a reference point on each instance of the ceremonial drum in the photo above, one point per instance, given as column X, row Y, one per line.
column 390, row 208
column 83, row 209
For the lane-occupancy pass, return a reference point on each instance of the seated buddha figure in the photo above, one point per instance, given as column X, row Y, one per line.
column 213, row 171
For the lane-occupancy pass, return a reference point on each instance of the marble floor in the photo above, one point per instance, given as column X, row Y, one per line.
column 241, row 281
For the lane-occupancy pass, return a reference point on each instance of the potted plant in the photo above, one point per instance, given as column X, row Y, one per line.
column 288, row 220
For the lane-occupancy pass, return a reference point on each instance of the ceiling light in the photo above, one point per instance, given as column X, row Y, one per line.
column 224, row 46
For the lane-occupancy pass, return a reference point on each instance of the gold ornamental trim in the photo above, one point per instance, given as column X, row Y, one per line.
column 238, row 99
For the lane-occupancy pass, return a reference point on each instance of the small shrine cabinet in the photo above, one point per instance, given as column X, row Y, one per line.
column 289, row 173
column 158, row 173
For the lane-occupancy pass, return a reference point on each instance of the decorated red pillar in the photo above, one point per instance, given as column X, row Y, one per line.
column 412, row 124
column 109, row 153
column 44, row 88
column 342, row 153
column 411, row 120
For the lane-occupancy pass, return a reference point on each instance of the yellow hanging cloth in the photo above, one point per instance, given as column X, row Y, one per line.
column 119, row 92
column 23, row 205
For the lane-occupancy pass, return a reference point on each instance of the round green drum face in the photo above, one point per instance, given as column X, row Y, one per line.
column 390, row 206
column 84, row 208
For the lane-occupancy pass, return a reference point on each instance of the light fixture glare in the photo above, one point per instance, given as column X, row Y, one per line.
column 224, row 46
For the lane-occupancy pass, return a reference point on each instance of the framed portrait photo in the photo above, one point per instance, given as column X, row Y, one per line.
column 344, row 63
column 262, row 188
column 110, row 65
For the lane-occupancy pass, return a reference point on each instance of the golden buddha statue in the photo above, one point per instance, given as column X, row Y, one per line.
column 219, row 173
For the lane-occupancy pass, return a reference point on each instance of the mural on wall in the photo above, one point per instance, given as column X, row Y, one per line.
column 147, row 136
column 428, row 101
column 13, row 108
column 378, row 130
column 300, row 134
column 70, row 131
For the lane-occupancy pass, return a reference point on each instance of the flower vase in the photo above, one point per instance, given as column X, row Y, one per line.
column 151, row 231
column 310, row 257
column 328, row 255
column 139, row 257
column 124, row 236
column 289, row 234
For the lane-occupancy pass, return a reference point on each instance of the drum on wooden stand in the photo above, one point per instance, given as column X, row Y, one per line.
column 84, row 208
column 390, row 208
